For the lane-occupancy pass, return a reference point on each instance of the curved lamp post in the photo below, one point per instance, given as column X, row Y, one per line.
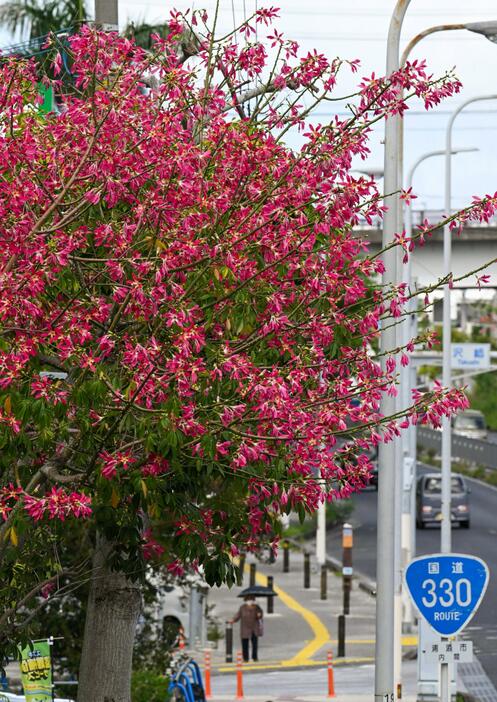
column 446, row 532
column 385, row 548
column 388, row 546
column 407, row 382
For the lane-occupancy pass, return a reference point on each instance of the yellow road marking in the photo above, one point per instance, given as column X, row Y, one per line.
column 321, row 634
column 321, row 637
column 285, row 664
column 406, row 641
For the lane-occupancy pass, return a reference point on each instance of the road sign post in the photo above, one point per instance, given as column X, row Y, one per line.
column 447, row 590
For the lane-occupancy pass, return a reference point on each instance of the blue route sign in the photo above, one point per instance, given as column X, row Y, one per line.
column 447, row 589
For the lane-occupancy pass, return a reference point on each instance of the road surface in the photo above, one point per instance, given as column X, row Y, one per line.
column 480, row 540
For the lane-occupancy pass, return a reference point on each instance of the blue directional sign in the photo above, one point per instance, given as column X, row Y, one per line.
column 447, row 589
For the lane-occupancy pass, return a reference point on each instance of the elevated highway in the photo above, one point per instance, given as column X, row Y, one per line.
column 473, row 247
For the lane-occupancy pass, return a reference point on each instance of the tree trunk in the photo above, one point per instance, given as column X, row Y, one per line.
column 114, row 605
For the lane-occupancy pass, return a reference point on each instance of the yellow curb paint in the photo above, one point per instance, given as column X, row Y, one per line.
column 406, row 641
column 284, row 664
column 321, row 634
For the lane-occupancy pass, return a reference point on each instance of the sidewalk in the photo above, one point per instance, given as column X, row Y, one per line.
column 297, row 638
column 303, row 627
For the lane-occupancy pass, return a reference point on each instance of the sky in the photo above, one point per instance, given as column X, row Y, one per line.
column 358, row 29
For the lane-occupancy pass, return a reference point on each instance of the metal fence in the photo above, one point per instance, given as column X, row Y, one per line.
column 483, row 453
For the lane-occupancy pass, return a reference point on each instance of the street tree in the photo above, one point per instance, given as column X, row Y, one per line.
column 187, row 318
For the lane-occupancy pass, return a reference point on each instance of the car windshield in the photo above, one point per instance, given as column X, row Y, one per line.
column 433, row 486
column 469, row 422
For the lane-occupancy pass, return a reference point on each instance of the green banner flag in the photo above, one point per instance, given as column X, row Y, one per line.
column 36, row 672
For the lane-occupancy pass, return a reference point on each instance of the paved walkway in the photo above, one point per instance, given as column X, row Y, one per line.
column 303, row 627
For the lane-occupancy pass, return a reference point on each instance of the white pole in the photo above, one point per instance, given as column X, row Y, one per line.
column 404, row 518
column 445, row 535
column 445, row 527
column 321, row 535
column 385, row 560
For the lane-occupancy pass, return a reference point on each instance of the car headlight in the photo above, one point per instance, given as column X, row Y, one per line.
column 462, row 508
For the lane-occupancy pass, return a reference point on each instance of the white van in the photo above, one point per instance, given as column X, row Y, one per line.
column 470, row 423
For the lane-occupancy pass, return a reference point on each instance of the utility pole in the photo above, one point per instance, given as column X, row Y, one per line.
column 107, row 14
column 384, row 670
column 321, row 534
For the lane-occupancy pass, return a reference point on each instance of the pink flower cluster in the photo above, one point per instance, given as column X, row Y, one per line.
column 121, row 460
column 200, row 280
column 56, row 504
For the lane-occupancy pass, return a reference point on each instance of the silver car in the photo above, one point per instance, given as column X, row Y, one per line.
column 470, row 423
column 429, row 500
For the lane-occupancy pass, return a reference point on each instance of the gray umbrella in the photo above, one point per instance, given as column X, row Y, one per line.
column 258, row 591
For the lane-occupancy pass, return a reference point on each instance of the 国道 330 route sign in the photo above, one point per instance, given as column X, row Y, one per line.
column 447, row 589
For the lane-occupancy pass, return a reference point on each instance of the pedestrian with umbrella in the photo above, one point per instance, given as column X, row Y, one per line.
column 250, row 616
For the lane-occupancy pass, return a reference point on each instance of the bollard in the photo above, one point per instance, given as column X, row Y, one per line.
column 307, row 570
column 286, row 557
column 241, row 566
column 270, row 599
column 341, row 636
column 324, row 582
column 239, row 676
column 228, row 635
column 347, row 570
column 331, row 677
column 347, row 586
column 207, row 674
column 253, row 570
column 181, row 638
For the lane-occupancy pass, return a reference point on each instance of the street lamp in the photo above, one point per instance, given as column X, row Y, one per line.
column 407, row 382
column 389, row 521
column 385, row 548
column 488, row 29
column 445, row 536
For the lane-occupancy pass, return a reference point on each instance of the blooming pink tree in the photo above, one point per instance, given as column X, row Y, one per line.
column 188, row 320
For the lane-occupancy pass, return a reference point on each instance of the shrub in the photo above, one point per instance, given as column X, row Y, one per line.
column 149, row 686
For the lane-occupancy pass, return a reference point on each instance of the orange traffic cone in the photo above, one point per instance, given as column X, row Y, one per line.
column 207, row 675
column 331, row 677
column 239, row 677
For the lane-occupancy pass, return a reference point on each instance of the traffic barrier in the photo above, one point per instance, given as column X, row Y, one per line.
column 228, row 637
column 253, row 571
column 324, row 582
column 207, row 675
column 181, row 638
column 286, row 556
column 341, row 636
column 239, row 677
column 331, row 676
column 270, row 599
column 307, row 570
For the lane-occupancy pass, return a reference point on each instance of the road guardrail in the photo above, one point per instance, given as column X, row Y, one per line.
column 483, row 453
